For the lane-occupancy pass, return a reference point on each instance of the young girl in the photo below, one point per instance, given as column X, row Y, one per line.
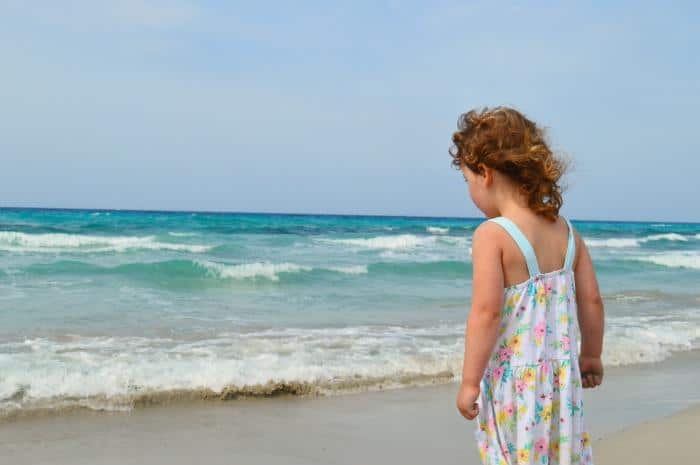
column 533, row 287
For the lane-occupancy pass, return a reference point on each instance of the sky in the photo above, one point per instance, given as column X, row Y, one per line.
column 341, row 107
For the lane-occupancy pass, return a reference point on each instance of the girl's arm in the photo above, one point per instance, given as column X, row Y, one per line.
column 591, row 317
column 487, row 301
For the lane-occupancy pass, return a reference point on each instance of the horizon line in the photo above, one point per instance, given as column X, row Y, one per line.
column 230, row 212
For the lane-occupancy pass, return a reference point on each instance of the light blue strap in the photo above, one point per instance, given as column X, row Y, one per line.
column 570, row 248
column 522, row 242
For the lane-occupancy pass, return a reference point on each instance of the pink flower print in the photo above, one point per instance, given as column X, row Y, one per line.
column 540, row 329
column 545, row 368
column 497, row 373
column 565, row 343
column 505, row 353
column 541, row 445
column 510, row 409
column 548, row 289
column 520, row 385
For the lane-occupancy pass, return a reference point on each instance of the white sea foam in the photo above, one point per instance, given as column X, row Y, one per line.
column 673, row 259
column 445, row 248
column 80, row 368
column 461, row 241
column 622, row 297
column 398, row 242
column 613, row 242
column 252, row 270
column 11, row 241
column 666, row 237
column 437, row 230
column 181, row 234
column 641, row 339
column 618, row 242
column 393, row 247
column 109, row 367
column 353, row 269
column 269, row 270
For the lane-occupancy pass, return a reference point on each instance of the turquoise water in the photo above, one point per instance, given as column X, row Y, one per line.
column 98, row 308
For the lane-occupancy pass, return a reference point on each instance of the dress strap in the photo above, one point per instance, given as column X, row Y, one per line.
column 570, row 248
column 522, row 242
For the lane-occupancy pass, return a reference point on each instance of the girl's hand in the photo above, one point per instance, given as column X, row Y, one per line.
column 591, row 371
column 466, row 401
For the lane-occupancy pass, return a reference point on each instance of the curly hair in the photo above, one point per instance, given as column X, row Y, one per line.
column 505, row 140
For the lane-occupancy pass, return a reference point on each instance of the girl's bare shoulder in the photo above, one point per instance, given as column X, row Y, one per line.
column 488, row 233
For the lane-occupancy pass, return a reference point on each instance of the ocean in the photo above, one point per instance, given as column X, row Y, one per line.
column 109, row 310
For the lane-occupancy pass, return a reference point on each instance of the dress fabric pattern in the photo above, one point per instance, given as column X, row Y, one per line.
column 531, row 399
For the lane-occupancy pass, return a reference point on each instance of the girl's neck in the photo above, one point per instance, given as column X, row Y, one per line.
column 511, row 202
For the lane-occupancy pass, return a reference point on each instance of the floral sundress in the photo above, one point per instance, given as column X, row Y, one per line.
column 531, row 399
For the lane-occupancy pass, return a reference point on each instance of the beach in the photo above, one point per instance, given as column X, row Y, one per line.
column 640, row 415
column 178, row 337
column 111, row 309
column 670, row 439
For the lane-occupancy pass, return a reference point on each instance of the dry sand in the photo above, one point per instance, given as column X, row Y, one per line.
column 669, row 440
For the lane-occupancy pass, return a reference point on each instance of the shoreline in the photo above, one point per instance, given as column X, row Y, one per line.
column 662, row 371
column 281, row 390
column 412, row 426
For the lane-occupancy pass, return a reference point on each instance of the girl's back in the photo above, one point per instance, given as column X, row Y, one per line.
column 531, row 402
column 549, row 241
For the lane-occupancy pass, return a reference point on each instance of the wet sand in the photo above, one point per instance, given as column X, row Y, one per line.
column 635, row 412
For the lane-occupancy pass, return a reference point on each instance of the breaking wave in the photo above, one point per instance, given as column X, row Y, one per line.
column 19, row 242
column 120, row 373
column 679, row 259
column 621, row 242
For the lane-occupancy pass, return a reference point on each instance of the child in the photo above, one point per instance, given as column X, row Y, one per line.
column 533, row 287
